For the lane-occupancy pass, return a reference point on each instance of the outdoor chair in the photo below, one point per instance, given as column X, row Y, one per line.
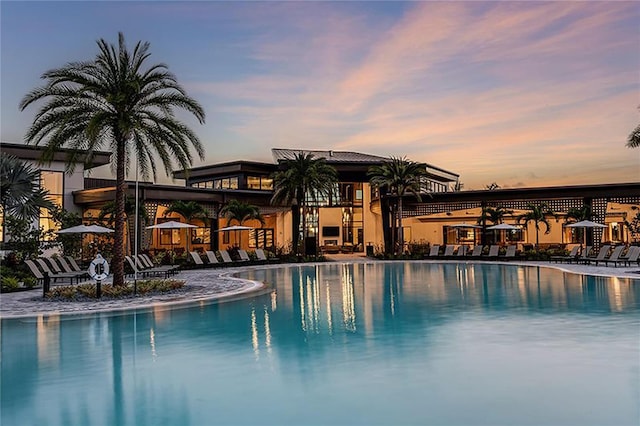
column 244, row 256
column 573, row 254
column 494, row 251
column 448, row 250
column 510, row 253
column 614, row 257
column 477, row 251
column 196, row 258
column 633, row 256
column 462, row 251
column 226, row 258
column 55, row 267
column 73, row 264
column 602, row 255
column 34, row 270
column 434, row 250
column 146, row 272
column 147, row 263
column 60, row 275
column 261, row 254
column 65, row 265
column 585, row 256
column 211, row 257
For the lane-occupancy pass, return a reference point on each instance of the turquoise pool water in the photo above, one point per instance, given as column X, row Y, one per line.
column 364, row 344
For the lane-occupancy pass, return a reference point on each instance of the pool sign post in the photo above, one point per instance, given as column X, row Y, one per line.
column 99, row 270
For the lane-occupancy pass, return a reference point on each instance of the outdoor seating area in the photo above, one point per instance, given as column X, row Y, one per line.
column 479, row 252
column 607, row 255
column 210, row 259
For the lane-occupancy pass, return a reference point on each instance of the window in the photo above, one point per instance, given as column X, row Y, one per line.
column 262, row 183
column 226, row 183
column 200, row 236
column 261, row 238
column 54, row 183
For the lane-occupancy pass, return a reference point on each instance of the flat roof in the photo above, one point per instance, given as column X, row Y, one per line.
column 34, row 152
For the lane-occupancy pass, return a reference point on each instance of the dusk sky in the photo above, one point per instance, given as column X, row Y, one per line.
column 524, row 94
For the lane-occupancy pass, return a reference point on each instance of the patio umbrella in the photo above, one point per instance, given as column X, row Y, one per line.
column 503, row 227
column 236, row 228
column 586, row 224
column 85, row 229
column 172, row 224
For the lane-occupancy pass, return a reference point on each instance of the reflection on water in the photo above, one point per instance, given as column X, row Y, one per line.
column 350, row 344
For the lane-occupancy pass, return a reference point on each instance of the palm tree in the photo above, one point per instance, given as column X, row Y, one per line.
column 302, row 180
column 398, row 177
column 538, row 214
column 190, row 210
column 241, row 212
column 20, row 191
column 495, row 215
column 118, row 103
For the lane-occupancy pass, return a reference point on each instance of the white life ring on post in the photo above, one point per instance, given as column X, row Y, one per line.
column 99, row 268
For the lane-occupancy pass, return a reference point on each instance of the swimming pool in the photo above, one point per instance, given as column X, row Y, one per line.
column 362, row 344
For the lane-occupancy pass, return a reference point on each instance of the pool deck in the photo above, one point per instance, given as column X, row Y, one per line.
column 213, row 284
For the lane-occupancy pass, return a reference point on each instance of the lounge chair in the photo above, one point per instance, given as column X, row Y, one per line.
column 34, row 270
column 602, row 255
column 146, row 272
column 573, row 254
column 244, row 256
column 65, row 265
column 226, row 258
column 510, row 253
column 73, row 264
column 147, row 263
column 614, row 257
column 462, row 251
column 477, row 251
column 585, row 256
column 196, row 258
column 494, row 251
column 211, row 257
column 434, row 250
column 633, row 256
column 260, row 254
column 448, row 250
column 60, row 275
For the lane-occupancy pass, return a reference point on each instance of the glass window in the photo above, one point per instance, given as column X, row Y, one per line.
column 201, row 236
column 233, row 183
column 54, row 183
column 267, row 184
column 253, row 182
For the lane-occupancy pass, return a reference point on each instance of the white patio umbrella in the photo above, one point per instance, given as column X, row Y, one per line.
column 236, row 228
column 503, row 227
column 172, row 224
column 85, row 229
column 586, row 224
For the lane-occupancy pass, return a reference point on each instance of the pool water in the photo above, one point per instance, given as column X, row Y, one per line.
column 364, row 344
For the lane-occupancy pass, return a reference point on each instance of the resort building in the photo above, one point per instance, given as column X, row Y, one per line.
column 355, row 219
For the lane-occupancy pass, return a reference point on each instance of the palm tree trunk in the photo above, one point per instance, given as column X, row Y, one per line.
column 117, row 262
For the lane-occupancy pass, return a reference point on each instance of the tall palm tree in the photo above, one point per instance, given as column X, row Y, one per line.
column 20, row 191
column 398, row 177
column 302, row 180
column 190, row 210
column 539, row 214
column 241, row 212
column 116, row 102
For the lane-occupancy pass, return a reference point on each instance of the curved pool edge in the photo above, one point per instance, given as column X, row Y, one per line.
column 28, row 305
column 14, row 305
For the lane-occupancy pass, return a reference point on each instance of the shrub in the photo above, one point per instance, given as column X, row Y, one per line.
column 30, row 282
column 10, row 283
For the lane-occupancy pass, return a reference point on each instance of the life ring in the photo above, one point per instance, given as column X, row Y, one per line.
column 96, row 265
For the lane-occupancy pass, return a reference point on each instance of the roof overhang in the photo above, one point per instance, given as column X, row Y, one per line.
column 33, row 152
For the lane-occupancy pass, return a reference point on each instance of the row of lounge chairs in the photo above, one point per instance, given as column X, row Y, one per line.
column 142, row 265
column 225, row 258
column 606, row 256
column 462, row 252
column 58, row 268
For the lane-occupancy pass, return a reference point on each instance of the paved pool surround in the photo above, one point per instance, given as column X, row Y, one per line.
column 212, row 284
